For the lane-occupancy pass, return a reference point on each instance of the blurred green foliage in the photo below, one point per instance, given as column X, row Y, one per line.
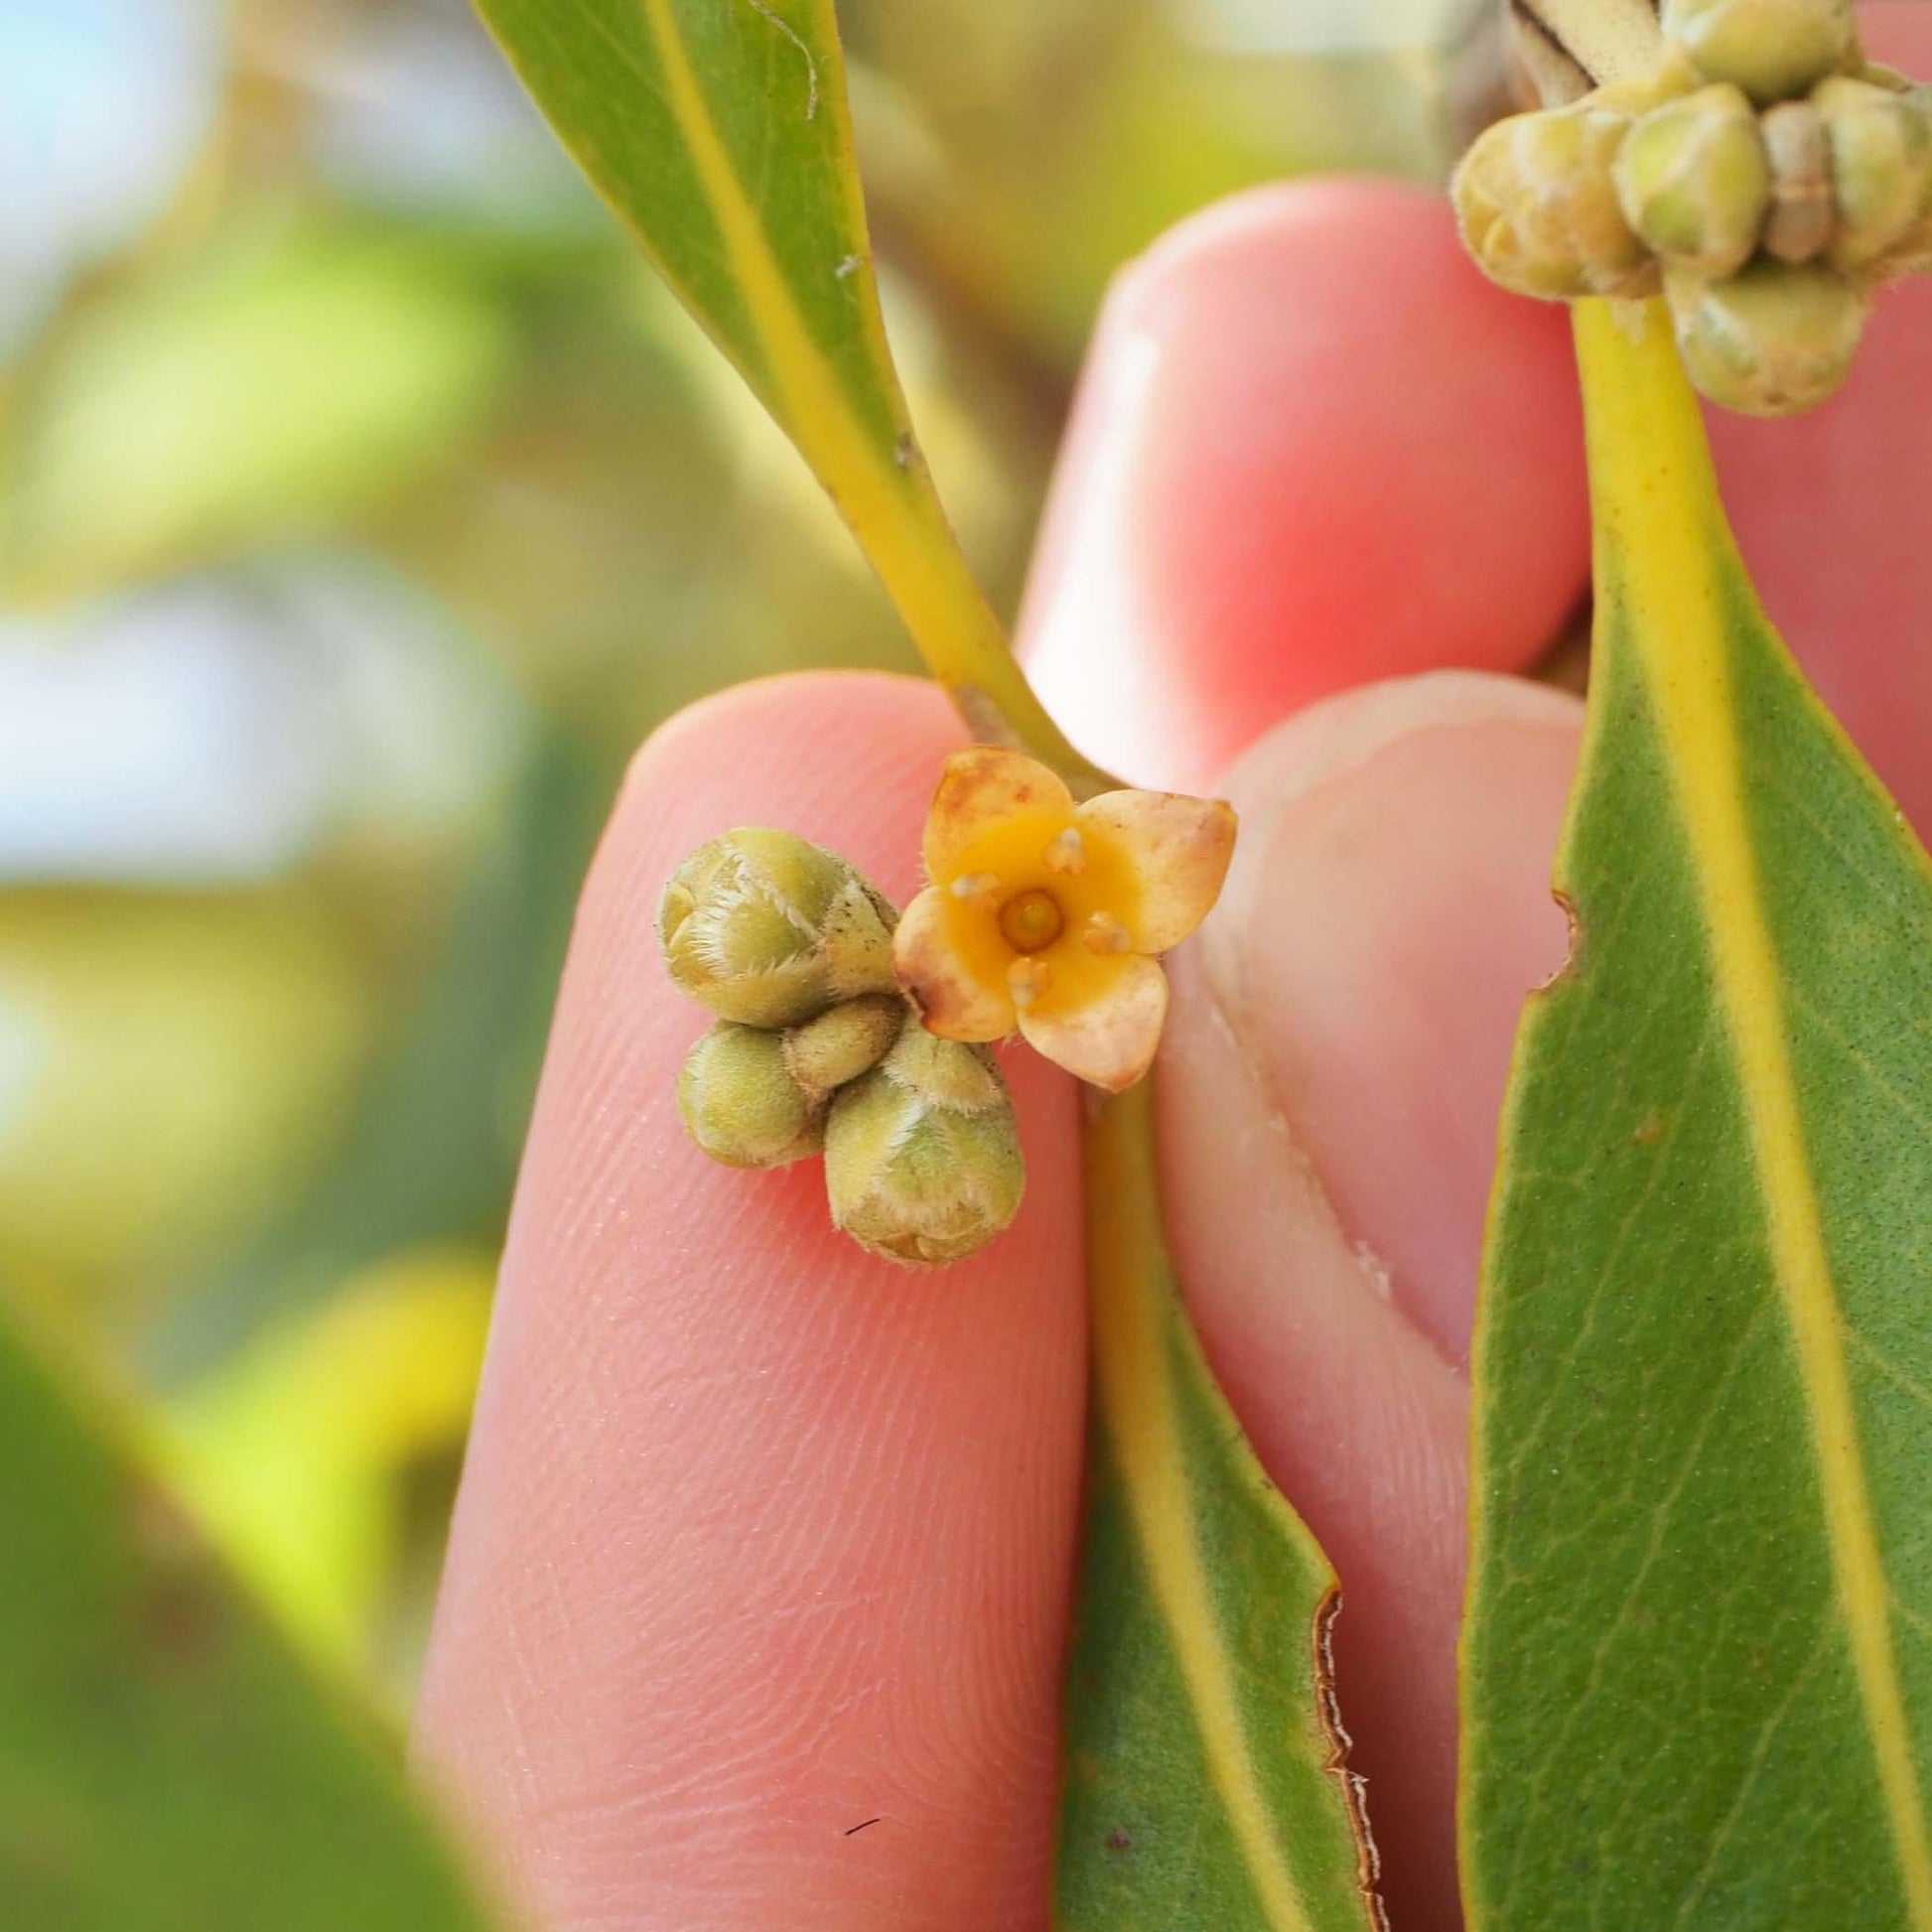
column 274, row 382
column 165, row 1764
column 363, row 503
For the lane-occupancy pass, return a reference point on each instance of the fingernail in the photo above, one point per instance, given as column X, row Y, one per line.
column 1388, row 910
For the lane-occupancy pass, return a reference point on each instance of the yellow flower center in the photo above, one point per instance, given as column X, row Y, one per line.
column 1034, row 895
column 1032, row 920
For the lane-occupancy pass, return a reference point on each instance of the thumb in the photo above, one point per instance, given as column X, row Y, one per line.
column 1330, row 1090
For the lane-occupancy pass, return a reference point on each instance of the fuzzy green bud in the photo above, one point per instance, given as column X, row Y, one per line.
column 845, row 1041
column 1913, row 251
column 1773, row 48
column 922, row 1155
column 1692, row 179
column 1879, row 143
column 764, row 928
column 742, row 1103
column 1772, row 339
column 1539, row 209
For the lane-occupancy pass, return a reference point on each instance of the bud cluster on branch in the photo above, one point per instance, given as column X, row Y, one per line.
column 817, row 1050
column 1762, row 176
column 846, row 1030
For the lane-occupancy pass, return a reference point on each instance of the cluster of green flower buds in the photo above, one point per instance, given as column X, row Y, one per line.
column 1761, row 177
column 816, row 1050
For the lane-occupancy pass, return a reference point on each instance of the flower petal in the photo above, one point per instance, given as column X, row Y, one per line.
column 955, row 1001
column 979, row 787
column 1109, row 1040
column 1179, row 849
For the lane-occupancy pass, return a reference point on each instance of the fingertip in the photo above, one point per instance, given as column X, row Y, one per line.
column 1329, row 1092
column 1899, row 32
column 1388, row 910
column 759, row 1535
column 1314, row 447
column 838, row 757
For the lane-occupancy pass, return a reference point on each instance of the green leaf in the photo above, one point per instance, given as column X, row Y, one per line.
column 1205, row 1783
column 1699, row 1657
column 164, row 1763
column 719, row 130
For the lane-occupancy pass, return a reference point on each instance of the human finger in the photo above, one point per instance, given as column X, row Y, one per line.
column 1313, row 447
column 756, row 1593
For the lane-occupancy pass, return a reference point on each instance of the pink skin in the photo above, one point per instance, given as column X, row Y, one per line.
column 761, row 1539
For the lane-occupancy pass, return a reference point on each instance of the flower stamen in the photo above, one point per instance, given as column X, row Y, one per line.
column 976, row 886
column 1066, row 855
column 1103, row 933
column 1028, row 980
column 1032, row 920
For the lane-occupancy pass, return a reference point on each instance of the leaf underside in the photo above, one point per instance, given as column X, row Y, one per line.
column 1205, row 1778
column 1698, row 1666
column 164, row 1762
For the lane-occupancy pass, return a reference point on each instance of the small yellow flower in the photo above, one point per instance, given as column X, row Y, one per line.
column 1045, row 914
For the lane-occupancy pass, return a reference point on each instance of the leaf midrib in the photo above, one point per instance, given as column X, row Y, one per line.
column 1674, row 571
column 1134, row 1388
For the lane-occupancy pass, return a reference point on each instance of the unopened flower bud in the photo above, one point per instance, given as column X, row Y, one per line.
column 1694, row 182
column 1913, row 251
column 923, row 1155
column 845, row 1040
column 1880, row 147
column 1539, row 209
column 764, row 928
column 1770, row 339
column 742, row 1103
column 1800, row 219
column 1773, row 48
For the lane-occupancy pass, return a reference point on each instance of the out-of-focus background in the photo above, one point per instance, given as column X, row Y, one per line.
column 363, row 502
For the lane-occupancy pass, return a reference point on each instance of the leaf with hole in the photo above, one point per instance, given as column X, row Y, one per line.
column 1699, row 1657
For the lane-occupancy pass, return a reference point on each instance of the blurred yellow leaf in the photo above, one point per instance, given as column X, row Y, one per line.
column 294, row 1453
column 272, row 389
column 167, row 1064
